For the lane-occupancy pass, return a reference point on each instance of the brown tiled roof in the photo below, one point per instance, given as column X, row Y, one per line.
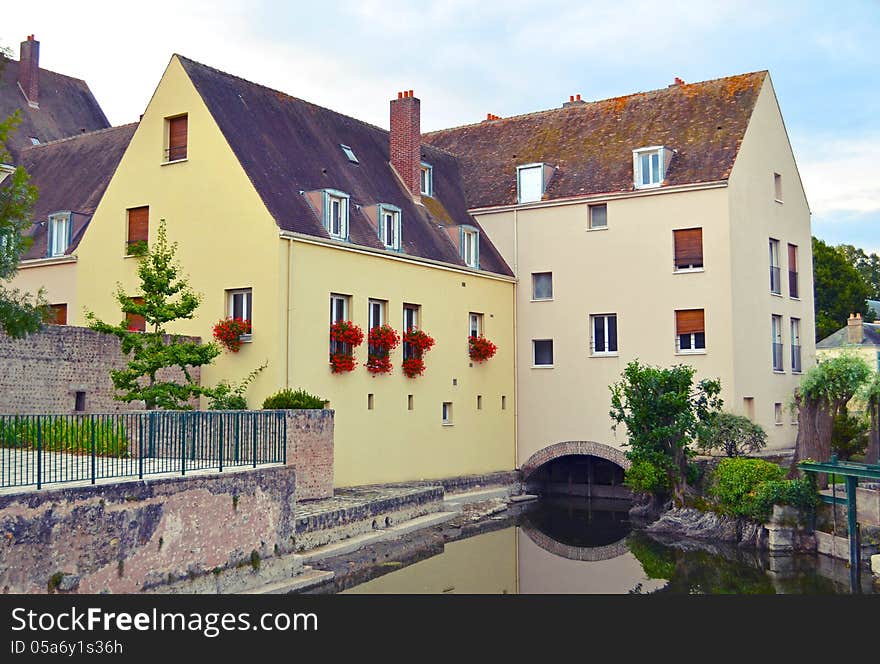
column 591, row 144
column 67, row 107
column 287, row 145
column 72, row 174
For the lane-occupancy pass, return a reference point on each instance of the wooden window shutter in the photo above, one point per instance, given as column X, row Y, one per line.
column 138, row 224
column 177, row 130
column 135, row 321
column 57, row 314
column 689, row 321
column 688, row 246
column 792, row 257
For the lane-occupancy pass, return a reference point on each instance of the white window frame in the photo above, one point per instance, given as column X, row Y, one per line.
column 590, row 209
column 606, row 352
column 693, row 350
column 416, row 311
column 446, row 414
column 426, row 179
column 57, row 243
column 335, row 299
column 349, row 154
column 519, row 171
column 773, row 248
column 776, row 337
column 794, row 327
column 385, row 211
column 332, row 196
column 475, row 324
column 247, row 305
column 655, row 179
column 535, row 298
column 374, row 306
column 470, row 246
column 534, row 358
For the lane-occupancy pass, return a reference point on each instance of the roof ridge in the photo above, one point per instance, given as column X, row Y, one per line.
column 76, row 136
column 52, row 71
column 591, row 103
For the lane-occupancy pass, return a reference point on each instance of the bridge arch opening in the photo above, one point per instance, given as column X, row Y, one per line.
column 578, row 468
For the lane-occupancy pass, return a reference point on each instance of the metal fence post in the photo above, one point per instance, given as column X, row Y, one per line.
column 39, row 453
column 140, row 446
column 220, row 437
column 182, row 434
column 94, row 454
column 254, row 436
column 283, row 418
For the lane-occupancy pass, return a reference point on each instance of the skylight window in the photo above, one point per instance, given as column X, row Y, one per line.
column 349, row 153
column 34, row 140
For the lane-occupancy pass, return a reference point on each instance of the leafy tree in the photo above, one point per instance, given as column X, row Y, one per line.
column 167, row 297
column 840, row 289
column 734, row 435
column 868, row 265
column 870, row 395
column 20, row 313
column 849, row 435
column 663, row 412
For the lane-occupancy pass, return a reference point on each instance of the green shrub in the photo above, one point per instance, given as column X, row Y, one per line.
column 65, row 434
column 231, row 396
column 734, row 435
column 735, row 481
column 849, row 435
column 293, row 399
column 801, row 494
column 646, row 477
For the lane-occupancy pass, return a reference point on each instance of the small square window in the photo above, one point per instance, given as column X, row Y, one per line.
column 57, row 314
column 599, row 216
column 542, row 285
column 349, row 154
column 426, row 179
column 649, row 167
column 542, row 352
column 688, row 248
column 34, row 140
column 447, row 412
column 690, row 331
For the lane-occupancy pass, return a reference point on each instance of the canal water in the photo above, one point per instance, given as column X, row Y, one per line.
column 574, row 545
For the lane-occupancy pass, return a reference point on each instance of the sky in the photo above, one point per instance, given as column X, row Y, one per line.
column 464, row 59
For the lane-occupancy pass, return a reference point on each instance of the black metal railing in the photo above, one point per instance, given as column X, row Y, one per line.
column 775, row 280
column 796, row 359
column 777, row 357
column 793, row 284
column 50, row 449
column 175, row 153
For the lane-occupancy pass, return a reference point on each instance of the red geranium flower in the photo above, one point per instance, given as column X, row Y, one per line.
column 481, row 349
column 228, row 332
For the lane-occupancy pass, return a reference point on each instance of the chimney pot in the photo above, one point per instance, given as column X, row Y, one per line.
column 578, row 97
column 29, row 70
column 855, row 332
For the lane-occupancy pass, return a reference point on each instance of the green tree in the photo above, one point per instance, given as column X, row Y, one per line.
column 734, row 435
column 840, row 289
column 663, row 412
column 167, row 297
column 868, row 265
column 20, row 313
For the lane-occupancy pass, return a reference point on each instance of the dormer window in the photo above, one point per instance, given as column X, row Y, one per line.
column 336, row 213
column 389, row 226
column 59, row 233
column 349, row 153
column 426, row 179
column 530, row 183
column 469, row 246
column 34, row 140
column 649, row 166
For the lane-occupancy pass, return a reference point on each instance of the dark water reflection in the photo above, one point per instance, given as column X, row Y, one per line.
column 581, row 546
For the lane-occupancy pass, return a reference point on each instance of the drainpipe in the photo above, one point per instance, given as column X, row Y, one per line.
column 515, row 342
column 287, row 316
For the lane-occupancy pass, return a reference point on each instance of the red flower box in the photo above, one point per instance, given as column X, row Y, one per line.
column 346, row 332
column 382, row 340
column 229, row 330
column 344, row 336
column 419, row 342
column 413, row 366
column 481, row 349
column 341, row 362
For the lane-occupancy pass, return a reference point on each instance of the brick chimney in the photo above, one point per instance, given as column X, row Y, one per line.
column 29, row 70
column 406, row 140
column 855, row 333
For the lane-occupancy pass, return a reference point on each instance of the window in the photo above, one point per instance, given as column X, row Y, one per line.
column 376, row 313
column 479, row 402
column 426, row 179
column 530, row 183
column 604, row 334
column 688, row 248
column 796, row 345
column 409, row 401
column 79, row 401
column 369, row 402
column 57, row 314
column 59, row 233
column 542, row 285
column 599, row 216
column 389, row 226
column 338, row 311
column 138, row 228
column 177, row 138
column 349, row 154
column 34, row 140
column 447, row 412
column 776, row 331
column 542, row 352
column 690, row 331
column 503, row 402
column 649, row 167
column 777, row 187
column 136, row 322
column 336, row 214
column 749, row 407
column 410, row 322
column 793, row 271
column 475, row 324
column 775, row 281
column 240, row 305
column 470, row 247
column 777, row 412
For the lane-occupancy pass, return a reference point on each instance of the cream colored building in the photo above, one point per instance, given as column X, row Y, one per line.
column 661, row 227
column 858, row 337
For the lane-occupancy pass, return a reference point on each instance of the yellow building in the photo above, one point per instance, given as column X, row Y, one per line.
column 858, row 337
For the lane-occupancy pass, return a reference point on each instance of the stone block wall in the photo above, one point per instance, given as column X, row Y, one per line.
column 133, row 536
column 310, row 451
column 43, row 372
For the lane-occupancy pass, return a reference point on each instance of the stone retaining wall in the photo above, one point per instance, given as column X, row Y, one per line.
column 137, row 535
column 310, row 450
